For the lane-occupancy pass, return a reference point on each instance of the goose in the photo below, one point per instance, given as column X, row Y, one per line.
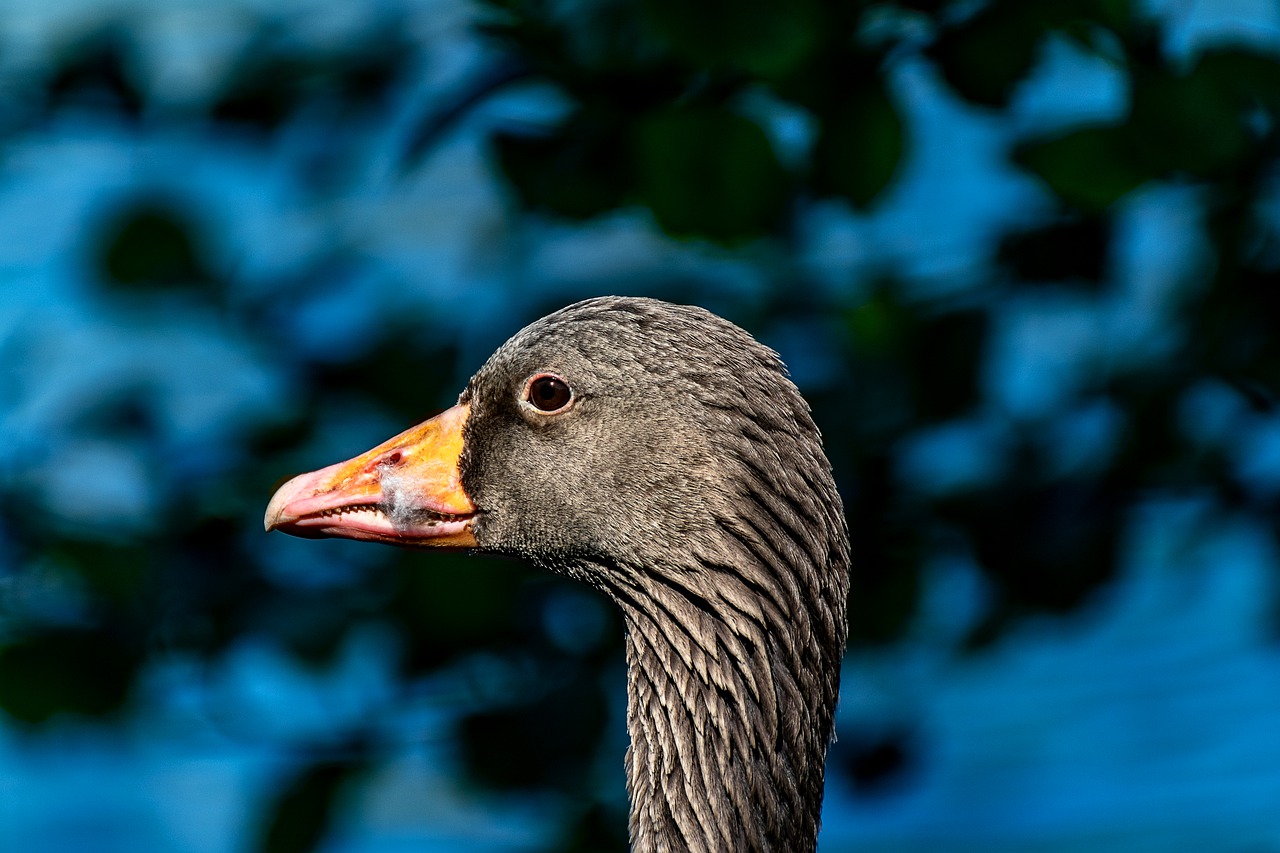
column 662, row 455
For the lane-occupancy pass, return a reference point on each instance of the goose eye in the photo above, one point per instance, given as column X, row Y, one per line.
column 548, row 393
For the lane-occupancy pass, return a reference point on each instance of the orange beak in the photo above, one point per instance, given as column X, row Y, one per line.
column 405, row 491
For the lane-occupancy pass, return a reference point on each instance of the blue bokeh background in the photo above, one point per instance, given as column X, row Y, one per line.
column 1145, row 720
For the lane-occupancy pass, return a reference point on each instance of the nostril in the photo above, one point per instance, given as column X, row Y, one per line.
column 392, row 459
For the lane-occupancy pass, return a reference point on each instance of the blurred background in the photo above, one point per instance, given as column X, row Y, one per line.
column 1022, row 257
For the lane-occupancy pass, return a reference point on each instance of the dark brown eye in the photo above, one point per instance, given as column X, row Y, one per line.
column 548, row 393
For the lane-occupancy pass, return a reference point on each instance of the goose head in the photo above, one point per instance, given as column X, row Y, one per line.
column 660, row 454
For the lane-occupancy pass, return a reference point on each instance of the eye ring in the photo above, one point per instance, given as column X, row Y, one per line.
column 548, row 394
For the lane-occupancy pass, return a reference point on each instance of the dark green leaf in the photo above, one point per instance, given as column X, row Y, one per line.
column 116, row 572
column 378, row 373
column 860, row 145
column 1091, row 167
column 1116, row 15
column 1074, row 249
column 597, row 830
column 579, row 170
column 304, row 810
column 763, row 37
column 709, row 173
column 885, row 582
column 151, row 245
column 261, row 100
column 1247, row 77
column 1046, row 546
column 882, row 331
column 876, row 762
column 274, row 78
column 457, row 604
column 539, row 743
column 312, row 627
column 947, row 363
column 987, row 56
column 67, row 671
column 98, row 72
column 1186, row 124
column 1237, row 325
column 880, row 326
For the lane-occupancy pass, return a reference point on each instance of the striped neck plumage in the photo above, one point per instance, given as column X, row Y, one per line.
column 729, row 716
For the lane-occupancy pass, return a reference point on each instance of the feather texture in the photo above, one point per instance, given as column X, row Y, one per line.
column 688, row 482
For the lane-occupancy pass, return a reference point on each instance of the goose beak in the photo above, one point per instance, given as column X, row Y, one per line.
column 406, row 491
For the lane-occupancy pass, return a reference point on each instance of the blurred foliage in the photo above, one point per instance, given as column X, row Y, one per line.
column 97, row 71
column 304, row 809
column 672, row 108
column 48, row 672
column 276, row 79
column 150, row 246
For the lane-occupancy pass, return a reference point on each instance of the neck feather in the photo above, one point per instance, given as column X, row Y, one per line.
column 731, row 697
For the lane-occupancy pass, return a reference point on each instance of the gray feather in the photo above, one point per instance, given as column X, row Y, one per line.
column 688, row 483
